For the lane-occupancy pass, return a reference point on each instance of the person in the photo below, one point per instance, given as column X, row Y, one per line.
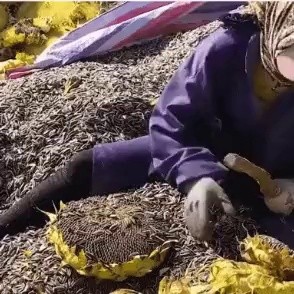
column 232, row 94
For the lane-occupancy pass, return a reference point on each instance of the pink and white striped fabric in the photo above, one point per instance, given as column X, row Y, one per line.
column 128, row 24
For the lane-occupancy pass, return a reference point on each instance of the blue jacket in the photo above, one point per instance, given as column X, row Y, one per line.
column 208, row 109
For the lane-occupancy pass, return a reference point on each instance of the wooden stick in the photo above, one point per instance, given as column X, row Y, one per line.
column 268, row 186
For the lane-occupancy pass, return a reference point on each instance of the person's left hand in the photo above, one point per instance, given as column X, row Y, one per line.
column 202, row 196
column 283, row 203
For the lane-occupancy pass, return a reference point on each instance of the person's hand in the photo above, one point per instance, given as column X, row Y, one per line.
column 278, row 194
column 202, row 196
column 283, row 203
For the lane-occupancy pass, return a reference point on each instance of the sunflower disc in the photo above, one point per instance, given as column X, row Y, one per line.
column 110, row 238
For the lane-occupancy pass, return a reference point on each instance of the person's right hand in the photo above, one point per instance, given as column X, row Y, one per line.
column 278, row 194
column 202, row 196
column 283, row 203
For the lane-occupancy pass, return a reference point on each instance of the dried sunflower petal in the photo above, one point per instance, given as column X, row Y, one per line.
column 267, row 268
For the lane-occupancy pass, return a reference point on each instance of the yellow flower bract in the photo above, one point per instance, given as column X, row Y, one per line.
column 265, row 270
column 55, row 19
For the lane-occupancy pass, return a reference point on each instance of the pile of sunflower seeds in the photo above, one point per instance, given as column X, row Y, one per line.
column 28, row 264
column 47, row 117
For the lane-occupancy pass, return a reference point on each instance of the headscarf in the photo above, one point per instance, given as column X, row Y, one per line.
column 276, row 21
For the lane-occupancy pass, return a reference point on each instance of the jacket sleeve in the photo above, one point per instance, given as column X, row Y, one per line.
column 188, row 100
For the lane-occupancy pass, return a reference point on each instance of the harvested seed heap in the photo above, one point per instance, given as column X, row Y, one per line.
column 47, row 117
column 30, row 253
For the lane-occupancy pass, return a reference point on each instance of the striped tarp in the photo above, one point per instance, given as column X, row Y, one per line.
column 125, row 25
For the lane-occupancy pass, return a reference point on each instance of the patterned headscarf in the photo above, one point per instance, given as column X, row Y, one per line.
column 276, row 20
